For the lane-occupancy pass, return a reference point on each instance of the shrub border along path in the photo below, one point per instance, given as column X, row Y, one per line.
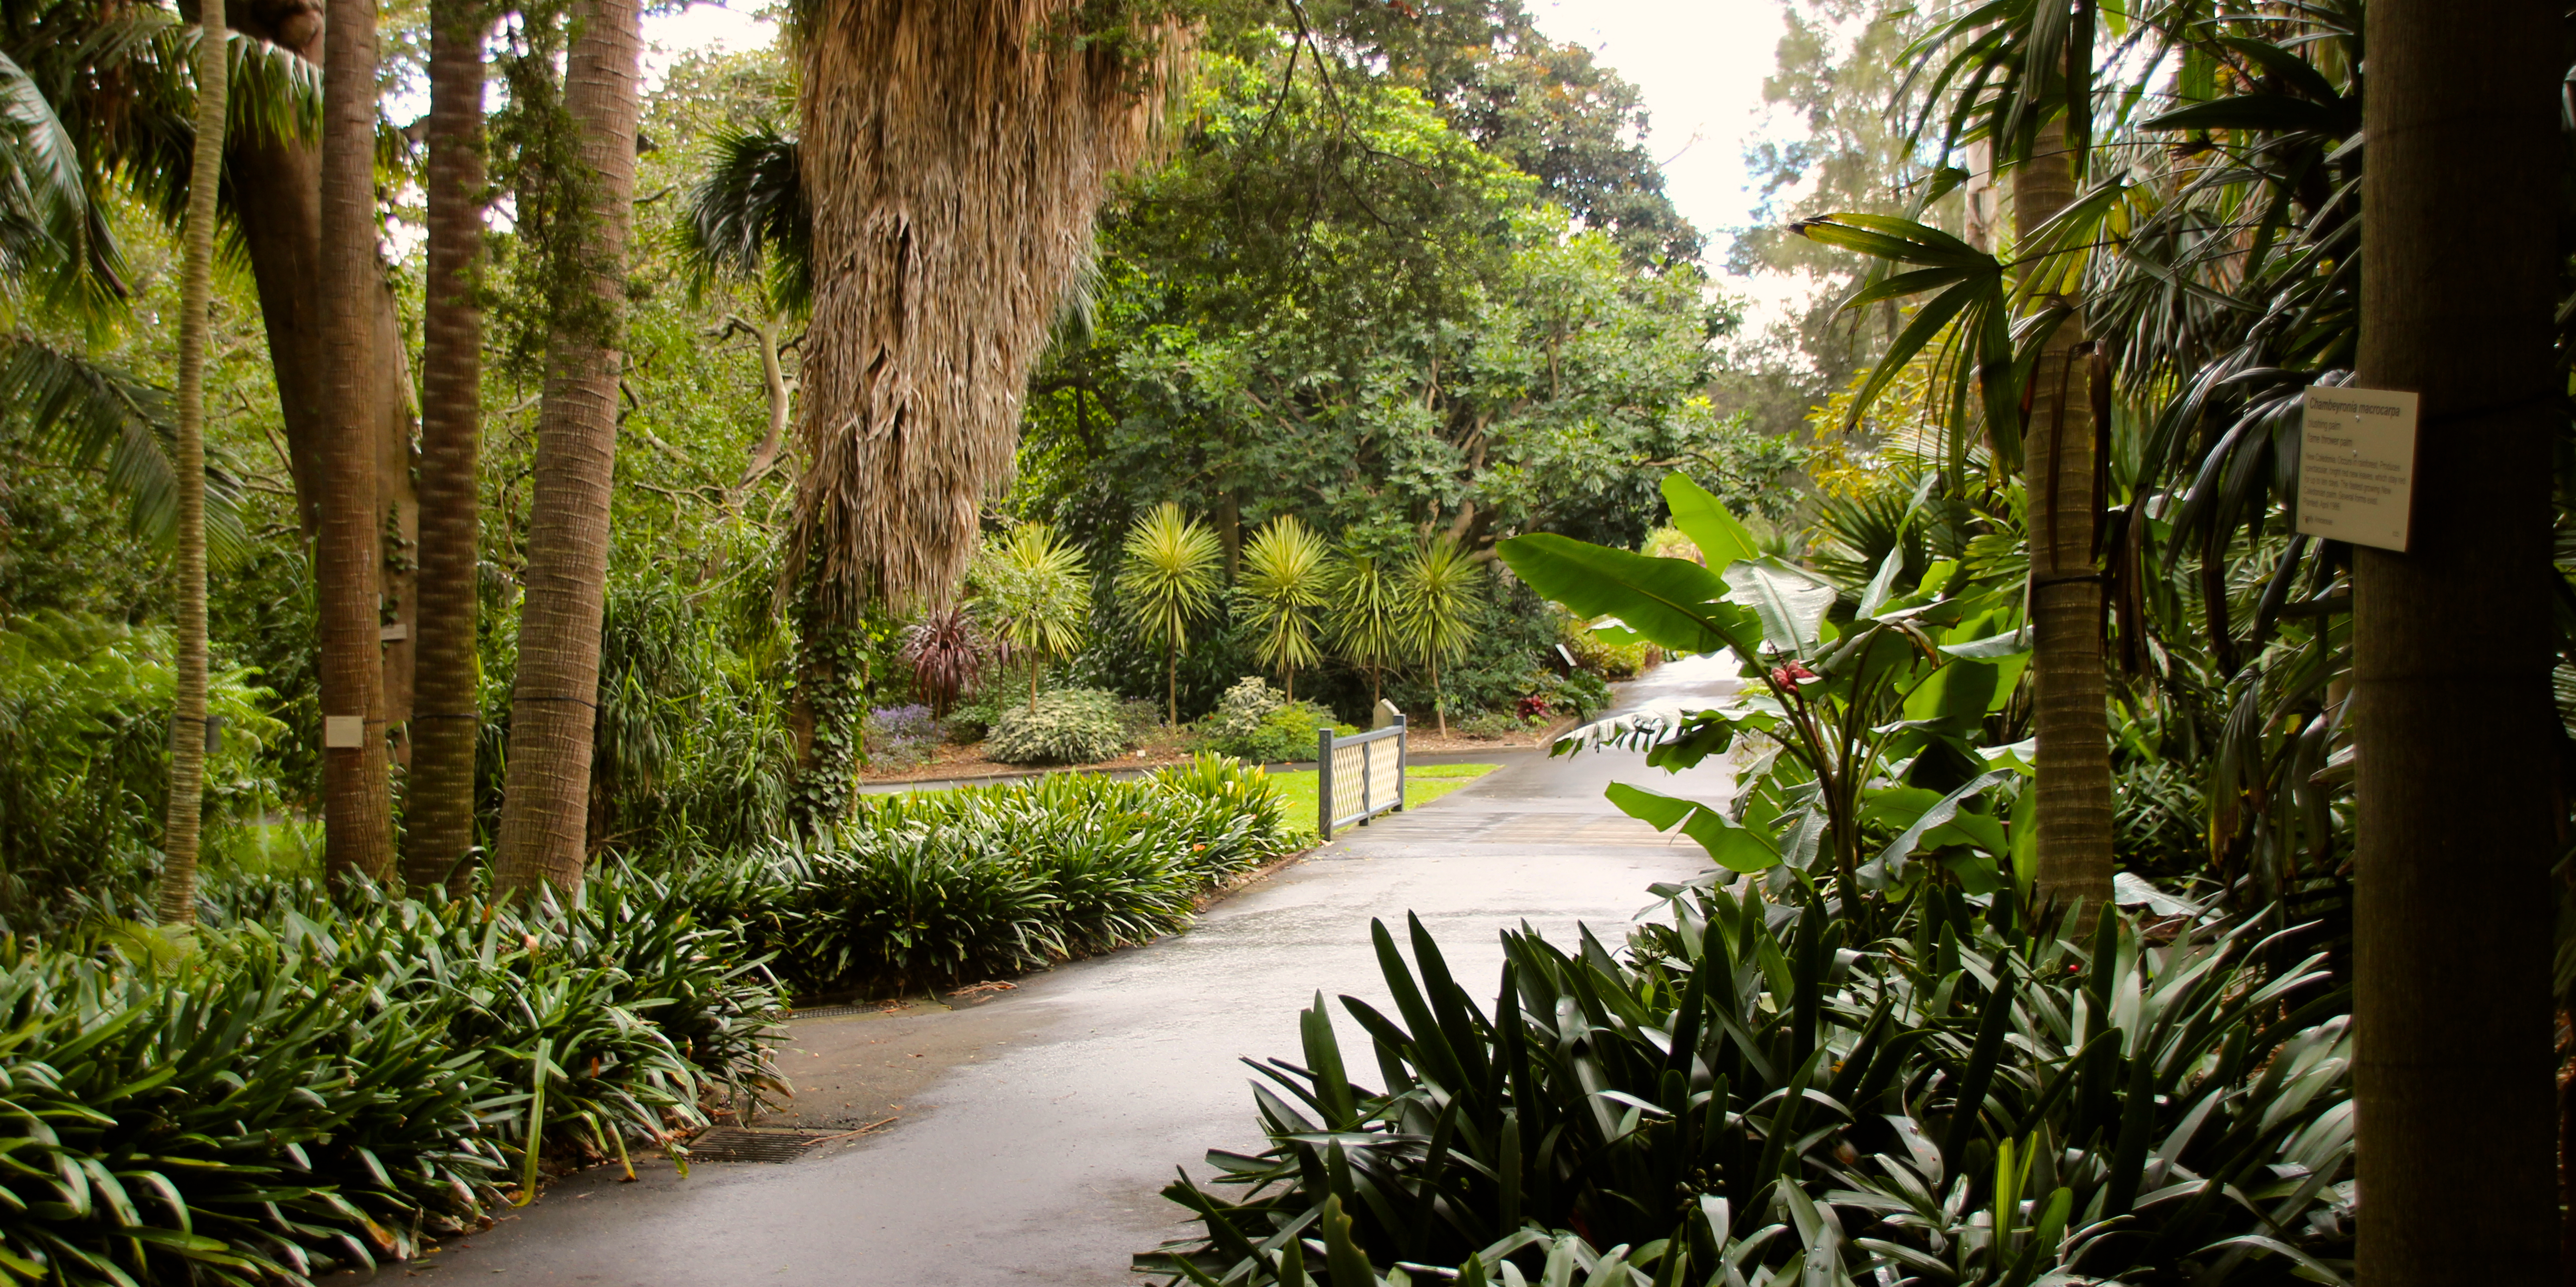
column 1038, row 1153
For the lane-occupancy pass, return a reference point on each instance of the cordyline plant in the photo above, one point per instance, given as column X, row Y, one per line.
column 1170, row 572
column 947, row 653
column 1286, row 573
column 1035, row 591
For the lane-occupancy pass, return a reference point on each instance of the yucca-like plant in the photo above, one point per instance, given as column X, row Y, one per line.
column 1364, row 621
column 1436, row 594
column 1286, row 571
column 1171, row 572
column 1032, row 588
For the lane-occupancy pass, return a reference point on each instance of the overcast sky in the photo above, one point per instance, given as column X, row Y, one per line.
column 1700, row 64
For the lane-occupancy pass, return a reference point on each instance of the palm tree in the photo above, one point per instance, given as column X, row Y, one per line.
column 1286, row 572
column 2072, row 720
column 1035, row 590
column 545, row 808
column 962, row 157
column 447, row 722
column 357, row 813
column 1436, row 597
column 188, row 716
column 1170, row 573
column 1365, row 623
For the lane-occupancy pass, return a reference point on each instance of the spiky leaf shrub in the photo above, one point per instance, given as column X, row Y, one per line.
column 1749, row 1099
column 1067, row 726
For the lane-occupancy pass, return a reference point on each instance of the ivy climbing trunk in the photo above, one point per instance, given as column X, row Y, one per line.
column 552, row 708
column 178, row 893
column 357, row 811
column 446, row 721
column 2456, row 753
column 2073, row 814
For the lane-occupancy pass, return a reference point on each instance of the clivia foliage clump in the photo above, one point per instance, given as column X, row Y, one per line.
column 310, row 1086
column 1759, row 1094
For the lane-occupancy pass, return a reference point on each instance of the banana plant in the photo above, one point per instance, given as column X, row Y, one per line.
column 1871, row 726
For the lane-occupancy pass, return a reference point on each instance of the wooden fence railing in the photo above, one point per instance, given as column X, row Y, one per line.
column 1358, row 778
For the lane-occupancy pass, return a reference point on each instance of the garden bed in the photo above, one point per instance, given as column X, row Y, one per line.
column 950, row 763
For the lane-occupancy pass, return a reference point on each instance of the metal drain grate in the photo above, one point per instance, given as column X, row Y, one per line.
column 832, row 1011
column 740, row 1144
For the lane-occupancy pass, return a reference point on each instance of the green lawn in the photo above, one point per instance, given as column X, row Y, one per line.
column 1423, row 783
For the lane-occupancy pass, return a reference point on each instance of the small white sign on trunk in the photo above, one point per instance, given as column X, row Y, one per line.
column 2357, row 465
column 341, row 732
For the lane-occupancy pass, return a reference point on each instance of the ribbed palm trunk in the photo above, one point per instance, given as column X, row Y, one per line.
column 545, row 811
column 357, row 812
column 276, row 188
column 2073, row 814
column 439, row 813
column 196, row 288
column 2456, row 757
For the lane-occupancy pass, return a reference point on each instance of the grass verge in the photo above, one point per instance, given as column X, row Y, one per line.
column 1423, row 783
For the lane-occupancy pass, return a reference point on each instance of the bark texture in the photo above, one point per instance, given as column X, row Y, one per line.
column 178, row 892
column 439, row 813
column 2073, row 815
column 552, row 707
column 357, row 811
column 956, row 155
column 2452, row 653
column 275, row 185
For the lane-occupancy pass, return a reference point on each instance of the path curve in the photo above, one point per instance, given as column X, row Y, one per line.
column 1035, row 1131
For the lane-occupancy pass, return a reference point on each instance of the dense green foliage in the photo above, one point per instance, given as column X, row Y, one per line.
column 943, row 887
column 1758, row 1094
column 1064, row 726
column 307, row 1085
column 1256, row 723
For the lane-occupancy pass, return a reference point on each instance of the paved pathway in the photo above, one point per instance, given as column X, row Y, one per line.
column 1033, row 1132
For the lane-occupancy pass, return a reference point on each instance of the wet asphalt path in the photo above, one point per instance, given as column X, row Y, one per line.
column 1032, row 1133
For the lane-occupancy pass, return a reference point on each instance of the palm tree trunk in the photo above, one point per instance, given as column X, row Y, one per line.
column 1172, row 685
column 276, row 188
column 439, row 814
column 196, row 288
column 357, row 812
column 2073, row 815
column 546, row 806
column 2455, row 753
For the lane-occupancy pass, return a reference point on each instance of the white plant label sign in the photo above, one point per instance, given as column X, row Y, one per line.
column 2357, row 465
column 341, row 732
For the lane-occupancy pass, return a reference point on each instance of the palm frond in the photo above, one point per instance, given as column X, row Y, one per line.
column 94, row 416
column 748, row 219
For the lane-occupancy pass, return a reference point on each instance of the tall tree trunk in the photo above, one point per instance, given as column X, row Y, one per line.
column 2455, row 750
column 196, row 290
column 276, row 187
column 546, row 807
column 357, row 812
column 2074, row 756
column 439, row 813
